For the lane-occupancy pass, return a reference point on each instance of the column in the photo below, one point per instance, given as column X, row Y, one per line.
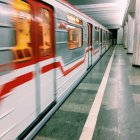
column 126, row 35
column 136, row 52
column 131, row 22
column 120, row 36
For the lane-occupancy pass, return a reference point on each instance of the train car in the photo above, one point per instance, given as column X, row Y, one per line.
column 46, row 48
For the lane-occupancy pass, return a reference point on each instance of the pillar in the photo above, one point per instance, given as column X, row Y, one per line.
column 120, row 36
column 136, row 51
column 126, row 35
column 131, row 22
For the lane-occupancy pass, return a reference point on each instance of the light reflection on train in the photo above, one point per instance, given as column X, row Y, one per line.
column 46, row 48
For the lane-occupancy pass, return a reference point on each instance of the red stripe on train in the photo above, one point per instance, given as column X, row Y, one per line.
column 16, row 82
column 48, row 67
column 96, row 52
column 58, row 64
column 29, row 76
column 103, row 46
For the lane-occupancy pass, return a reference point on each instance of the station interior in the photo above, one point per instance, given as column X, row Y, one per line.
column 104, row 103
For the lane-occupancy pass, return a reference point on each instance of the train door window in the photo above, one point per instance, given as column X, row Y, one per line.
column 101, row 35
column 89, row 34
column 93, row 35
column 96, row 34
column 45, row 44
column 104, row 36
column 74, row 37
column 22, row 21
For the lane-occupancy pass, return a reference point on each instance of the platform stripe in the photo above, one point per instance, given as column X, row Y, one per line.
column 90, row 124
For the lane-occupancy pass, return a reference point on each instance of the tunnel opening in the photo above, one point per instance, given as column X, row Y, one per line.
column 114, row 37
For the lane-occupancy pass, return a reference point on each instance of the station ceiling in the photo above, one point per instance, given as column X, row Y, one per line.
column 110, row 13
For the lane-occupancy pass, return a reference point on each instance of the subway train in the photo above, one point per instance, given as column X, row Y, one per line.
column 46, row 48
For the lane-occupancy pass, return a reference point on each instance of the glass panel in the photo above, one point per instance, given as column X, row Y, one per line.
column 22, row 20
column 61, row 36
column 7, row 29
column 45, row 33
column 96, row 35
column 21, row 17
column 89, row 34
column 74, row 37
column 101, row 36
column 104, row 36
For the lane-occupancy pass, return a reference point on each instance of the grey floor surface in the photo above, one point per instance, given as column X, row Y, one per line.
column 119, row 116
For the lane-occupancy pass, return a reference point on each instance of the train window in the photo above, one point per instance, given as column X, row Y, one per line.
column 45, row 33
column 101, row 35
column 96, row 35
column 104, row 36
column 74, row 37
column 22, row 20
column 7, row 30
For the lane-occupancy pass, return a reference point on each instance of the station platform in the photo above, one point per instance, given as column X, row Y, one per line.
column 104, row 106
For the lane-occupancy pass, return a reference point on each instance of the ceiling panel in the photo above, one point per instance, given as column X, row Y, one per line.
column 110, row 13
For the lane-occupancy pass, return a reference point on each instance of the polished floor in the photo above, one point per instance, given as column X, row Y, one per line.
column 119, row 115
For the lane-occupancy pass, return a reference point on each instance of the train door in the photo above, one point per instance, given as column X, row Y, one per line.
column 89, row 44
column 45, row 53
